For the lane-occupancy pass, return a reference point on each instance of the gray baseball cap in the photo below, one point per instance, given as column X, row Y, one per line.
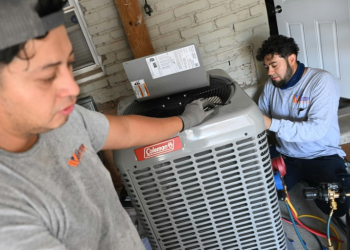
column 19, row 22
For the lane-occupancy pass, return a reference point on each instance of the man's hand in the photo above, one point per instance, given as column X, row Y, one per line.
column 268, row 122
column 194, row 113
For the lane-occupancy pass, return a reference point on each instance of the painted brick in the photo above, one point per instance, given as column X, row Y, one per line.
column 237, row 39
column 116, row 34
column 112, row 93
column 202, row 28
column 233, row 64
column 212, row 46
column 191, row 7
column 161, row 18
column 101, row 83
column 117, row 78
column 212, row 12
column 224, row 66
column 167, row 40
column 214, row 35
column 229, row 41
column 92, row 4
column 109, row 58
column 240, row 71
column 160, row 49
column 86, row 89
column 165, row 4
column 232, row 54
column 209, row 60
column 236, row 4
column 201, row 49
column 109, row 12
column 113, row 23
column 240, row 61
column 101, row 39
column 121, row 56
column 257, row 9
column 239, row 15
column 193, row 40
column 213, row 2
column 114, row 68
column 175, row 25
column 262, row 29
column 92, row 18
column 250, row 23
column 128, row 86
column 118, row 45
column 245, row 81
column 243, row 36
column 153, row 32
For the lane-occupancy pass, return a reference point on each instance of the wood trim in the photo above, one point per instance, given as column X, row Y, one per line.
column 135, row 27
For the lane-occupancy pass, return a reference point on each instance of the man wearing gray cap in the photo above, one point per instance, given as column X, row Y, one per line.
column 54, row 191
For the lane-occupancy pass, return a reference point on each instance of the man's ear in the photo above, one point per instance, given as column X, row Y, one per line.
column 292, row 59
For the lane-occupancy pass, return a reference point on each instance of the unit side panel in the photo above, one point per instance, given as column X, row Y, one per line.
column 219, row 197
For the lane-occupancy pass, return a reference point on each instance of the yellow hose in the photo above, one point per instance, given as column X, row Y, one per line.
column 315, row 217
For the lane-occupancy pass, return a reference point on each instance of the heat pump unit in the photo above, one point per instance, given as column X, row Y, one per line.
column 211, row 186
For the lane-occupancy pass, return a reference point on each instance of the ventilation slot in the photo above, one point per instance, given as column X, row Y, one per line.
column 217, row 198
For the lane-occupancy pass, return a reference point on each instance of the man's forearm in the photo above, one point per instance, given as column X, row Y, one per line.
column 305, row 131
column 267, row 122
column 132, row 130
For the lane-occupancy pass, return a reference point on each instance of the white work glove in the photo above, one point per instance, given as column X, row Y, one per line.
column 194, row 113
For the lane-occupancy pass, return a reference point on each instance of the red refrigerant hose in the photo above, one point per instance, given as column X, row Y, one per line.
column 278, row 165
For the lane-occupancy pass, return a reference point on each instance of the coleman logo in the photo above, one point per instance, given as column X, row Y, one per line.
column 158, row 149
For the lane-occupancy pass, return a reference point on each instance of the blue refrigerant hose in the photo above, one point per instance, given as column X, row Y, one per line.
column 295, row 227
column 328, row 226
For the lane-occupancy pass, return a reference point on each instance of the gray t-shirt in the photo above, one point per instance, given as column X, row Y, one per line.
column 58, row 195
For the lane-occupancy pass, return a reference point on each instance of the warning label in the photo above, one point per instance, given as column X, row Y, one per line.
column 173, row 62
column 140, row 88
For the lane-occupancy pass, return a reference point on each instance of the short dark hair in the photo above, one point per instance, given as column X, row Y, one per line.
column 278, row 44
column 44, row 7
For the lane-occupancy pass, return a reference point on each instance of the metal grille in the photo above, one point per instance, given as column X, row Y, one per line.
column 217, row 198
column 218, row 93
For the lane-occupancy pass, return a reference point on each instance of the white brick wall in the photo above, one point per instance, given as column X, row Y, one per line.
column 190, row 8
column 226, row 32
column 210, row 13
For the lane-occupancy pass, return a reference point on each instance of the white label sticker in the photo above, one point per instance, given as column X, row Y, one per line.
column 140, row 88
column 173, row 62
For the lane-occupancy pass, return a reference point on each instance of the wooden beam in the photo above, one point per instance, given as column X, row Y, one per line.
column 135, row 27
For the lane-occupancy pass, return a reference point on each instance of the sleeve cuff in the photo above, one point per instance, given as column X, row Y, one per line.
column 275, row 124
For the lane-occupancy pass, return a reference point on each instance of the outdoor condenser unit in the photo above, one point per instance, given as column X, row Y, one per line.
column 211, row 186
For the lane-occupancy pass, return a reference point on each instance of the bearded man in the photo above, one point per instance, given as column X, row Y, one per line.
column 300, row 105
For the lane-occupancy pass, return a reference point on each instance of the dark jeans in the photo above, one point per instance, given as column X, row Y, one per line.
column 327, row 169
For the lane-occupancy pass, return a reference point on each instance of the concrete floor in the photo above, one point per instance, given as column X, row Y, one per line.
column 303, row 206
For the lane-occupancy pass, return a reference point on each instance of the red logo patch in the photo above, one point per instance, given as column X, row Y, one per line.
column 157, row 149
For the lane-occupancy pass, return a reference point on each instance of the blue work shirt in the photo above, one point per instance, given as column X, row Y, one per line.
column 305, row 116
